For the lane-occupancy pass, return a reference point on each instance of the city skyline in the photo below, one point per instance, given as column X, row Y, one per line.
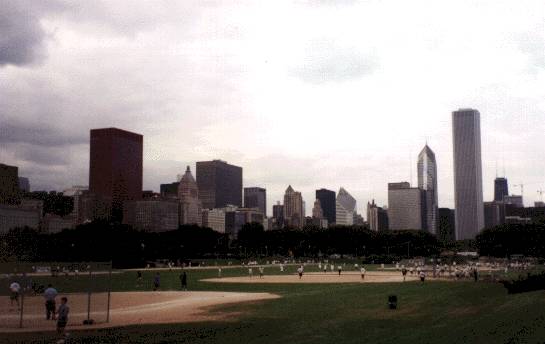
column 220, row 100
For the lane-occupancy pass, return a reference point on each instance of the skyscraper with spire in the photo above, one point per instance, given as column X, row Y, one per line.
column 293, row 208
column 190, row 205
column 345, row 208
column 427, row 181
column 468, row 180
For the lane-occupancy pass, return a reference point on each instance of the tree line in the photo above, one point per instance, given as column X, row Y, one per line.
column 126, row 247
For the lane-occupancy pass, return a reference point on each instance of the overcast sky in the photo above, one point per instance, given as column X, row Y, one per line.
column 308, row 93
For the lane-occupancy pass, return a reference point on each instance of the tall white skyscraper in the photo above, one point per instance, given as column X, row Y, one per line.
column 345, row 208
column 468, row 181
column 427, row 181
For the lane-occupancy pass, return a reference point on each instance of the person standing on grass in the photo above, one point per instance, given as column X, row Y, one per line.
column 250, row 272
column 340, row 268
column 300, row 271
column 183, row 280
column 50, row 294
column 219, row 272
column 475, row 274
column 325, row 268
column 332, row 267
column 422, row 276
column 404, row 273
column 15, row 289
column 362, row 271
column 62, row 318
column 260, row 272
column 281, row 267
column 156, row 282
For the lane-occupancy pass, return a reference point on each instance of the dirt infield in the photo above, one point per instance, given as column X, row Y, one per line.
column 130, row 308
column 320, row 277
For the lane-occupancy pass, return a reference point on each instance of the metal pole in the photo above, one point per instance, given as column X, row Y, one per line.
column 22, row 304
column 109, row 292
column 408, row 249
column 89, row 295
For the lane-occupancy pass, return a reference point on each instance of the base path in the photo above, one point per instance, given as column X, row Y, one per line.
column 320, row 277
column 131, row 308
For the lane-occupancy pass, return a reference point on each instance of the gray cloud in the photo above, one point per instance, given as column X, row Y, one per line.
column 326, row 60
column 39, row 135
column 22, row 38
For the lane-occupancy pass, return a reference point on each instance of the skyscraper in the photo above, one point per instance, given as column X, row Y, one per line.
column 278, row 215
column 115, row 167
column 9, row 184
column 190, row 205
column 501, row 189
column 406, row 207
column 256, row 198
column 377, row 217
column 293, row 208
column 468, row 187
column 219, row 184
column 328, row 204
column 345, row 208
column 427, row 181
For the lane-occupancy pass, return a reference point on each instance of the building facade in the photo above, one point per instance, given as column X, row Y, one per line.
column 345, row 208
column 468, row 188
column 219, row 184
column 515, row 200
column 501, row 189
column 328, row 203
column 115, row 167
column 446, row 229
column 169, row 190
column 278, row 215
column 493, row 214
column 406, row 207
column 293, row 208
column 377, row 217
column 214, row 218
column 256, row 197
column 427, row 181
column 152, row 215
column 24, row 184
column 27, row 214
column 190, row 204
column 9, row 185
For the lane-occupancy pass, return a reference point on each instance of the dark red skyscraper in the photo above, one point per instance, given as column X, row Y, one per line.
column 115, row 172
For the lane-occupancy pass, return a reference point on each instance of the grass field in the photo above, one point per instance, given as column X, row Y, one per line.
column 433, row 312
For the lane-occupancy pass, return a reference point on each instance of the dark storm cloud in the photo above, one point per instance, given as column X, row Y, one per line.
column 21, row 34
column 325, row 61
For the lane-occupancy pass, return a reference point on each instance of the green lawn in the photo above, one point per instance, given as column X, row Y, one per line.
column 433, row 312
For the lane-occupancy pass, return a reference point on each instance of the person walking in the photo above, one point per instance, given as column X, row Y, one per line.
column 62, row 318
column 404, row 273
column 219, row 272
column 422, row 276
column 340, row 268
column 325, row 268
column 250, row 272
column 260, row 272
column 362, row 271
column 300, row 271
column 156, row 282
column 183, row 280
column 15, row 289
column 50, row 295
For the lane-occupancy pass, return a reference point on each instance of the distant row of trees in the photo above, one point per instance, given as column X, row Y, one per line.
column 102, row 241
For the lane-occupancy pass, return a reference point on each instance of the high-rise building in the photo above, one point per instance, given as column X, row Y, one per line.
column 406, row 207
column 501, row 189
column 493, row 214
column 24, row 184
column 219, row 184
column 169, row 190
column 278, row 215
column 345, row 207
column 256, row 198
column 9, row 185
column 293, row 208
column 115, row 167
column 427, row 181
column 328, row 203
column 377, row 217
column 446, row 228
column 190, row 204
column 317, row 211
column 468, row 187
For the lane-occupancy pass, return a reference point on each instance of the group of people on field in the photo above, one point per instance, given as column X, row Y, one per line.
column 50, row 294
